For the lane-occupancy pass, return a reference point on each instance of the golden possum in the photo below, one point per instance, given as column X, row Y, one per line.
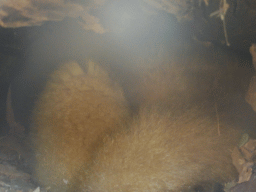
column 161, row 150
column 73, row 114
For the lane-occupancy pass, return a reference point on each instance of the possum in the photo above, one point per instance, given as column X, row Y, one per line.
column 86, row 140
column 164, row 151
column 72, row 115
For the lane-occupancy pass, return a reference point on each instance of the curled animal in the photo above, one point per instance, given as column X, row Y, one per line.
column 85, row 139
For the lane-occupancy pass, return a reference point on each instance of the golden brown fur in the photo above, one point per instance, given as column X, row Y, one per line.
column 73, row 114
column 163, row 152
column 163, row 149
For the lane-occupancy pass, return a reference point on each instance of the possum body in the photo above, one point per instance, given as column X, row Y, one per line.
column 82, row 143
column 71, row 117
column 164, row 152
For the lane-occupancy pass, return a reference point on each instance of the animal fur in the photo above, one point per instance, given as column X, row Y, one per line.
column 164, row 152
column 73, row 114
column 82, row 145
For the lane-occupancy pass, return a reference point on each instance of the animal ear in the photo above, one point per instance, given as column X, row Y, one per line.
column 96, row 70
column 70, row 70
column 75, row 69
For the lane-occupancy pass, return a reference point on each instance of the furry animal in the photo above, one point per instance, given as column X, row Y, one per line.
column 84, row 143
column 163, row 151
column 73, row 114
